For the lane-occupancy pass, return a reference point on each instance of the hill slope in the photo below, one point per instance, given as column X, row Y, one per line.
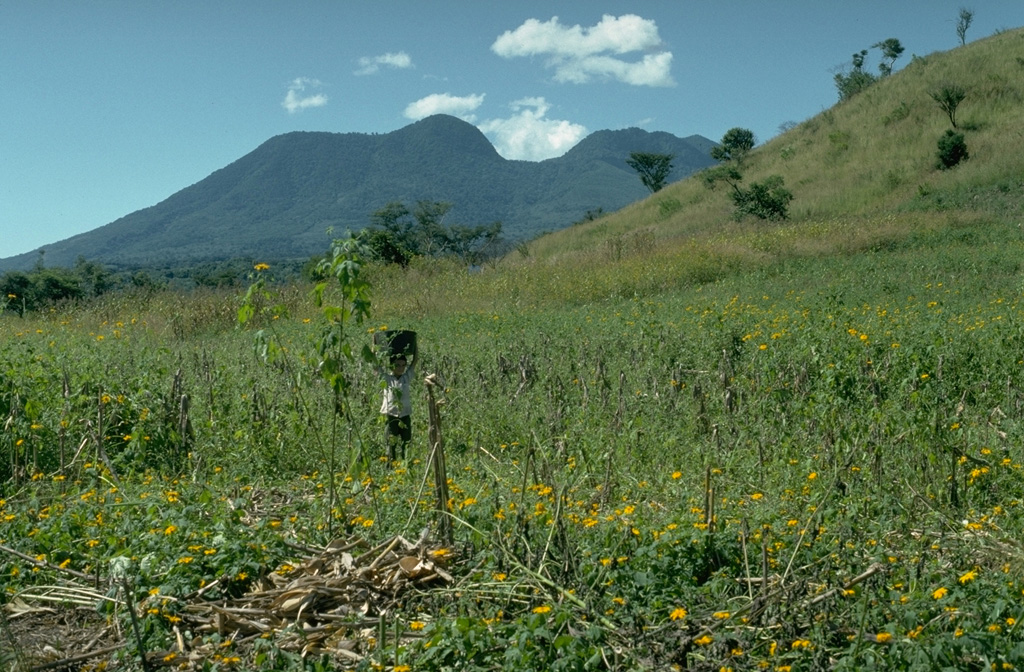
column 278, row 201
column 863, row 174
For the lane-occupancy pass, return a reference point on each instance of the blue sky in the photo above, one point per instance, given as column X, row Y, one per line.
column 110, row 106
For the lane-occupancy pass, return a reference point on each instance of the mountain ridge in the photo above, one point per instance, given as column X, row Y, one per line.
column 280, row 199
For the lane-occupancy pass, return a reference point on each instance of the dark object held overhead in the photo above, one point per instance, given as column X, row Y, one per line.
column 398, row 343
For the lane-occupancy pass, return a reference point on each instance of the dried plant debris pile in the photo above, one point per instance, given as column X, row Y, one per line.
column 336, row 603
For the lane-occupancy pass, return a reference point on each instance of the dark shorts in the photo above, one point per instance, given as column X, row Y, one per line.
column 399, row 427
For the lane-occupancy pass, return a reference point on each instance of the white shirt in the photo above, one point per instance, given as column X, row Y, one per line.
column 397, row 398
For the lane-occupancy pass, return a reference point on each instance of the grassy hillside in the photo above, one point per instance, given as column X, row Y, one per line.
column 672, row 440
column 862, row 171
column 863, row 175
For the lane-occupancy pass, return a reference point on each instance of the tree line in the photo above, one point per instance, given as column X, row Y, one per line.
column 398, row 233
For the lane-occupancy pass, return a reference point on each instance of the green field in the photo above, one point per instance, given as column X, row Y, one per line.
column 672, row 439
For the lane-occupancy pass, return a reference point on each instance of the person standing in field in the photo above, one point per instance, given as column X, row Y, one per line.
column 396, row 408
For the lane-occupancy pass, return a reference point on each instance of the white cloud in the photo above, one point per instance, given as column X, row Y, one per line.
column 528, row 135
column 445, row 103
column 296, row 100
column 369, row 65
column 579, row 54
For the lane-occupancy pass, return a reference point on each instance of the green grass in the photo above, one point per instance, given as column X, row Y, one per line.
column 673, row 440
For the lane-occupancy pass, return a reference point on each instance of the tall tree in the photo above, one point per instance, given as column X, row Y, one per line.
column 734, row 146
column 963, row 23
column 392, row 217
column 653, row 169
column 433, row 236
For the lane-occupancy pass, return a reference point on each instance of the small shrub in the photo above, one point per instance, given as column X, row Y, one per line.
column 899, row 113
column 669, row 206
column 765, row 200
column 949, row 97
column 952, row 150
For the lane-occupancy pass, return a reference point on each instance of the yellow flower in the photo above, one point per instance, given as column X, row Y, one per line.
column 543, row 609
column 720, row 614
column 677, row 474
column 704, row 640
column 968, row 576
column 940, row 593
column 677, row 613
column 811, row 476
column 756, row 496
column 499, row 576
column 261, row 267
column 883, row 637
column 801, row 644
column 417, row 625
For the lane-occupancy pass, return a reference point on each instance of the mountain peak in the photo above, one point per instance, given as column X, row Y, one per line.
column 445, row 134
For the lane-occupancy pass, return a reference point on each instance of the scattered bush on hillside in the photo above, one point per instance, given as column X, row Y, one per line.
column 949, row 97
column 952, row 150
column 849, row 84
column 963, row 23
column 765, row 200
column 653, row 169
column 734, row 146
column 899, row 113
column 787, row 126
column 590, row 216
column 891, row 49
